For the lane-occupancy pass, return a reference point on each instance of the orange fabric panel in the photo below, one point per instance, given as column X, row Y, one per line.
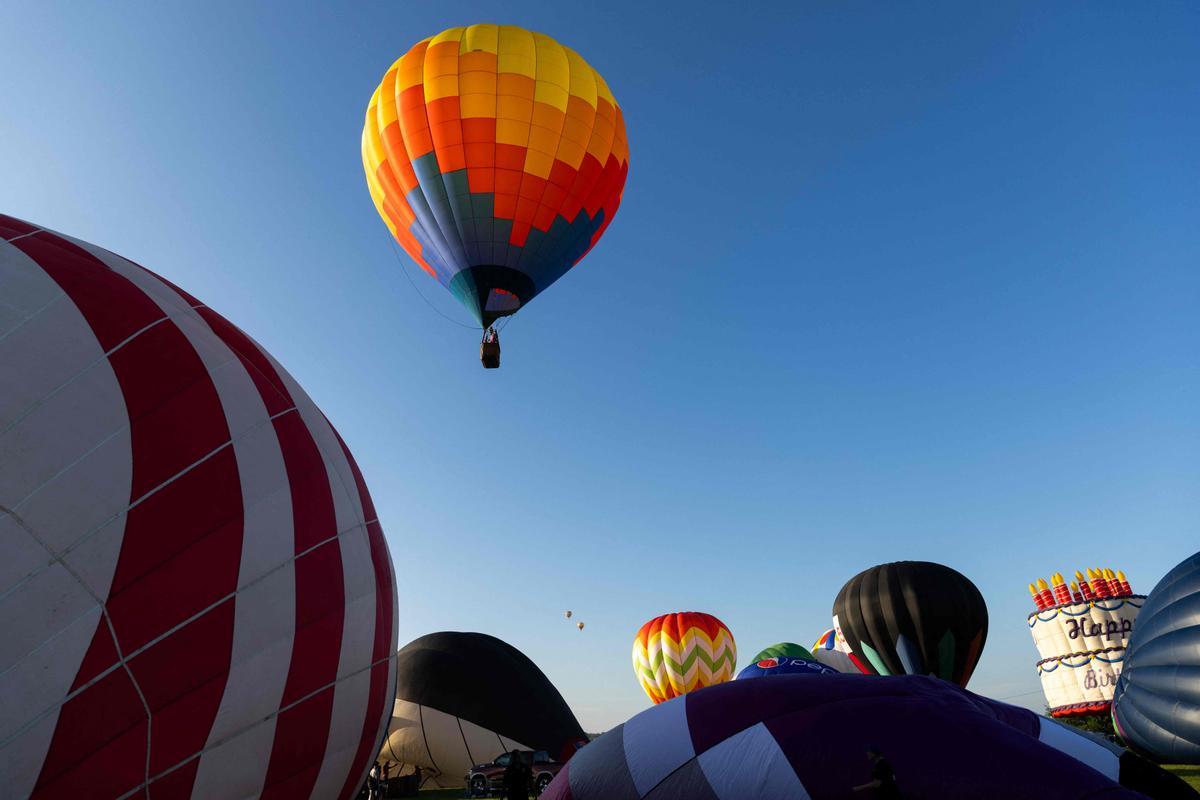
column 513, row 85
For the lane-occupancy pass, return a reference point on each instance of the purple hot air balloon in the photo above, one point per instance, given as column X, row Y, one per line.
column 797, row 737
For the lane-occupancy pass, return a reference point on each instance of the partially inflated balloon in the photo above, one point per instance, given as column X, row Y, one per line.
column 676, row 653
column 783, row 650
column 783, row 665
column 913, row 617
column 497, row 158
column 465, row 698
column 800, row 737
column 1156, row 706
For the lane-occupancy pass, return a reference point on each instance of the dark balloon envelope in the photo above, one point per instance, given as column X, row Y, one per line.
column 806, row 737
column 464, row 698
column 1156, row 706
column 915, row 618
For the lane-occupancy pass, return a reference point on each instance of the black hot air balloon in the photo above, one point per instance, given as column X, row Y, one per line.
column 464, row 698
column 913, row 617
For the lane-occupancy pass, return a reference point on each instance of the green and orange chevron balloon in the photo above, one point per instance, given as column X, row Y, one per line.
column 676, row 653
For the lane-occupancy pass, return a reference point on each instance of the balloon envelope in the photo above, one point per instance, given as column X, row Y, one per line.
column 464, row 698
column 832, row 652
column 798, row 737
column 676, row 653
column 197, row 598
column 774, row 666
column 497, row 158
column 913, row 617
column 1156, row 707
column 783, row 650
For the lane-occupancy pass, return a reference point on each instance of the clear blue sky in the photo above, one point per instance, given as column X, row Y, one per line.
column 888, row 282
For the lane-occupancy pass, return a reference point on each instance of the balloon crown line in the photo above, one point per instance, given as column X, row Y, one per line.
column 1099, row 583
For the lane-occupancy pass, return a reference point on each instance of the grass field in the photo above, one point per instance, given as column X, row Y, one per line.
column 1191, row 774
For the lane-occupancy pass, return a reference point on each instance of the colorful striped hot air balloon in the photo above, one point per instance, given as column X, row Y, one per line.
column 676, row 653
column 497, row 158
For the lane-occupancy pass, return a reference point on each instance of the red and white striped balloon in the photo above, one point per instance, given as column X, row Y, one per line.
column 196, row 598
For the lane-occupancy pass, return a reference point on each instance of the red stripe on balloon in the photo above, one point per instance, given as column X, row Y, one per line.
column 301, row 731
column 179, row 553
column 383, row 648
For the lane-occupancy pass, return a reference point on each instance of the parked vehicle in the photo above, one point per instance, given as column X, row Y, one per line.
column 484, row 780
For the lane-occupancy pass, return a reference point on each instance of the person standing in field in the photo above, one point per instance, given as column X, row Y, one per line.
column 516, row 777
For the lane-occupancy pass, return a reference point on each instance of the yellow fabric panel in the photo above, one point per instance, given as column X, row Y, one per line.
column 551, row 94
column 517, row 108
column 583, row 78
column 543, row 140
column 602, row 89
column 480, row 37
column 410, row 70
column 386, row 113
column 449, row 35
column 372, row 144
column 538, row 164
column 517, row 53
column 476, row 105
column 442, row 86
column 512, row 132
column 551, row 61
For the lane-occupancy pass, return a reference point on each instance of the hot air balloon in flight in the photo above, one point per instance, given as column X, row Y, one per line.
column 1156, row 706
column 496, row 157
column 567, row 614
column 579, row 625
column 676, row 653
column 913, row 617
column 197, row 598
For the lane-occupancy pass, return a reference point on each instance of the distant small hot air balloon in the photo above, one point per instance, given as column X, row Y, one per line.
column 567, row 614
column 579, row 625
column 676, row 653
